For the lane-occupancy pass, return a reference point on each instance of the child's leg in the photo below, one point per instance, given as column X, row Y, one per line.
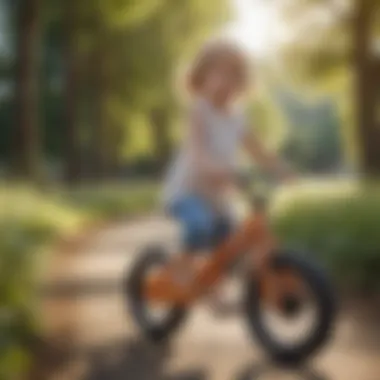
column 197, row 222
column 221, row 230
column 223, row 227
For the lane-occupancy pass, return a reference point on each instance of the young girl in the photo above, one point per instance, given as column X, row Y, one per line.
column 199, row 179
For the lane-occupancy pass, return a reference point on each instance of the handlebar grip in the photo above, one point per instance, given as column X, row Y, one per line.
column 259, row 202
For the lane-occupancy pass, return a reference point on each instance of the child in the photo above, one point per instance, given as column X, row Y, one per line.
column 200, row 177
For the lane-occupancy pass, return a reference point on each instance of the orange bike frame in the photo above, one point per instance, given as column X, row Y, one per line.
column 254, row 232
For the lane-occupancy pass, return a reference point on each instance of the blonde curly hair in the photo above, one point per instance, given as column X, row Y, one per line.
column 213, row 54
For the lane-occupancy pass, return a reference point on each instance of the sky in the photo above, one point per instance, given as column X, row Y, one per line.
column 257, row 26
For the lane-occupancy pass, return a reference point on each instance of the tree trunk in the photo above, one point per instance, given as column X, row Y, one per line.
column 116, row 141
column 27, row 134
column 100, row 120
column 368, row 133
column 160, row 125
column 72, row 146
column 100, row 106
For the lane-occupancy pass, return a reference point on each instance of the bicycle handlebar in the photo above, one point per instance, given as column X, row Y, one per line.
column 249, row 185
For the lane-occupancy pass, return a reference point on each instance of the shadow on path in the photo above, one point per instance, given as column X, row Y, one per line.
column 137, row 360
column 122, row 360
column 265, row 370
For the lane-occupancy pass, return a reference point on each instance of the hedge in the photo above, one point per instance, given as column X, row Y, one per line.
column 339, row 223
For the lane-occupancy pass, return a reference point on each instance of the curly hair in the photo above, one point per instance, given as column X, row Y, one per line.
column 212, row 54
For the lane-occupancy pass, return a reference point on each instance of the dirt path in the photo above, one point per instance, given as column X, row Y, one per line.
column 96, row 339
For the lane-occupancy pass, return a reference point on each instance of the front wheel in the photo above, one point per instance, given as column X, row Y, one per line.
column 157, row 322
column 277, row 327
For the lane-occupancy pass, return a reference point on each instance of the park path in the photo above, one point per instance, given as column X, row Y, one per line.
column 95, row 339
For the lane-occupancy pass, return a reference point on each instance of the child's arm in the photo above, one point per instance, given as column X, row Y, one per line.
column 267, row 160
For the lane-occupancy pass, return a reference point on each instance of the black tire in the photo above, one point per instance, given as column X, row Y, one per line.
column 322, row 291
column 133, row 286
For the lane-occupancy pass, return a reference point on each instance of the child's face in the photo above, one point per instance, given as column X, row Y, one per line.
column 222, row 82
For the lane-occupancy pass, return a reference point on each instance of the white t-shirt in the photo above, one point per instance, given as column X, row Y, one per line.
column 222, row 135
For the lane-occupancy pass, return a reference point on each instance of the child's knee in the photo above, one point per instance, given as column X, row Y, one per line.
column 199, row 234
column 222, row 230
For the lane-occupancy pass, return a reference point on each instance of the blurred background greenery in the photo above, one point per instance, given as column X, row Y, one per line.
column 90, row 114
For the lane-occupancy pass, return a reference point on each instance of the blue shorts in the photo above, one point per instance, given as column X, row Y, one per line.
column 202, row 227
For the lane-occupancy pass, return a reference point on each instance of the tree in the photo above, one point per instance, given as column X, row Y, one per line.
column 72, row 62
column 7, row 76
column 111, row 74
column 27, row 136
column 140, row 56
column 342, row 44
column 118, row 62
column 367, row 83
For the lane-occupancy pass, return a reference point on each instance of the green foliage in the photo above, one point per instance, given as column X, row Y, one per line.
column 338, row 222
column 321, row 41
column 313, row 142
column 267, row 122
column 125, row 53
column 120, row 13
column 28, row 221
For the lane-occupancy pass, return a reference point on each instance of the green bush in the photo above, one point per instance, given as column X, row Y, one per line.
column 339, row 222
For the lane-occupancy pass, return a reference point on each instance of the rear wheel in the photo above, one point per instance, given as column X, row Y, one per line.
column 280, row 328
column 156, row 321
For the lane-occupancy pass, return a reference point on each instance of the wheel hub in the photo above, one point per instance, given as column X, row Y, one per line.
column 291, row 305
